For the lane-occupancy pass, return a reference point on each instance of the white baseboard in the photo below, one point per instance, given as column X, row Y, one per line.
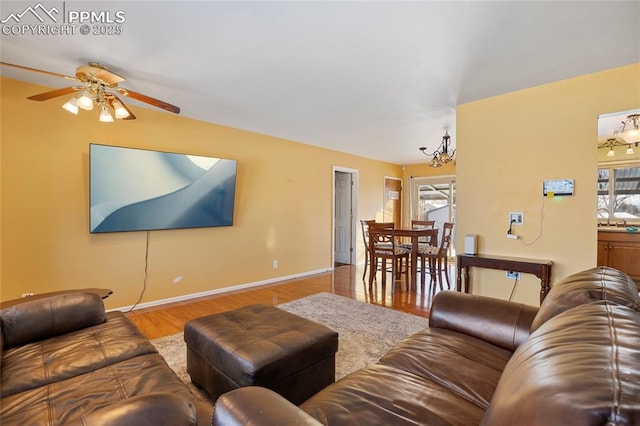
column 218, row 291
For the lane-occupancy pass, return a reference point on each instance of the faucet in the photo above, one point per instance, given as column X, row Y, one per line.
column 608, row 215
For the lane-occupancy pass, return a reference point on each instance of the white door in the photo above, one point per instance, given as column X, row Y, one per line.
column 343, row 215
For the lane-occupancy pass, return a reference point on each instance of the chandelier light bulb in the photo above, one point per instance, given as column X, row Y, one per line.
column 632, row 135
column 105, row 115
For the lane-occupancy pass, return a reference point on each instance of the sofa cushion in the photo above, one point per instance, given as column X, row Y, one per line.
column 579, row 368
column 385, row 395
column 499, row 322
column 466, row 366
column 58, row 358
column 68, row 400
column 592, row 285
column 50, row 316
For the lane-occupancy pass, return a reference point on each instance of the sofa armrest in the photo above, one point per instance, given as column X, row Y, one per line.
column 256, row 406
column 499, row 322
column 51, row 316
column 158, row 408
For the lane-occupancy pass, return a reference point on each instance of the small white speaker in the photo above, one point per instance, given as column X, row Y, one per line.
column 471, row 244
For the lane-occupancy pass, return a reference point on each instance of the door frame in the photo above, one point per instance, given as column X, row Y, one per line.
column 355, row 179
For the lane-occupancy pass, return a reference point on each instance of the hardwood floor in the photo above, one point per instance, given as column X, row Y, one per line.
column 345, row 281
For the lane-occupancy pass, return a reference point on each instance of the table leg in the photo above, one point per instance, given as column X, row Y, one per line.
column 373, row 266
column 545, row 283
column 414, row 262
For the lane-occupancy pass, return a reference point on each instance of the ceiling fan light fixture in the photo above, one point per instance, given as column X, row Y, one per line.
column 85, row 101
column 105, row 114
column 119, row 109
column 72, row 105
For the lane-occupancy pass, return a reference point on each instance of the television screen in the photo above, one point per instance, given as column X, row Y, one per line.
column 140, row 190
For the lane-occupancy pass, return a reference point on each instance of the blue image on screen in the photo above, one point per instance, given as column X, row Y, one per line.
column 136, row 190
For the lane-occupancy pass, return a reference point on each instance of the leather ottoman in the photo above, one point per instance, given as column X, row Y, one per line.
column 260, row 345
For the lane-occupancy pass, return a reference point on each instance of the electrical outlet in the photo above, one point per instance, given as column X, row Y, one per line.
column 516, row 218
column 511, row 275
column 275, row 264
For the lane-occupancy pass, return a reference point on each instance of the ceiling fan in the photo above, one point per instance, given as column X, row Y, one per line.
column 97, row 85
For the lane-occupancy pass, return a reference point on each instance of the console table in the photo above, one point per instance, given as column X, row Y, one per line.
column 537, row 267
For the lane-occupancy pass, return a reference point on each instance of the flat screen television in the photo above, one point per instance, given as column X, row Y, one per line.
column 140, row 190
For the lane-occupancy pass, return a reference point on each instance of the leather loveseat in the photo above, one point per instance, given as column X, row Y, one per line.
column 66, row 361
column 573, row 361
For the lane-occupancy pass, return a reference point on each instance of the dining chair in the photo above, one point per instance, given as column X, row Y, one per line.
column 365, row 224
column 420, row 224
column 383, row 247
column 365, row 238
column 437, row 256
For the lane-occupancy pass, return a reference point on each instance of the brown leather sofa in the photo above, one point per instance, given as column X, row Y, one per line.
column 575, row 360
column 66, row 361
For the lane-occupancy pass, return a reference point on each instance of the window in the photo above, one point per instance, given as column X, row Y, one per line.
column 435, row 199
column 619, row 194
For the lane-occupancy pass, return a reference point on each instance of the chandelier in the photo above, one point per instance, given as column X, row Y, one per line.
column 630, row 130
column 441, row 155
column 628, row 135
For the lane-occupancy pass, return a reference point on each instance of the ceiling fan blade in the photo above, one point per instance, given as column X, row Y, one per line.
column 149, row 100
column 53, row 94
column 54, row 74
column 112, row 98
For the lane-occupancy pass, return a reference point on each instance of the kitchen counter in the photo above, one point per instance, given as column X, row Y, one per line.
column 617, row 229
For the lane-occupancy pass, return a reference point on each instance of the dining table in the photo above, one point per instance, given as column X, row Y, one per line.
column 414, row 234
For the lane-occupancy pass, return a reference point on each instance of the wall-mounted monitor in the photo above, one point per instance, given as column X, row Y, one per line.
column 557, row 187
column 140, row 190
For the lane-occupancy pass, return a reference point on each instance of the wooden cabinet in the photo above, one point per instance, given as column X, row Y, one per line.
column 620, row 250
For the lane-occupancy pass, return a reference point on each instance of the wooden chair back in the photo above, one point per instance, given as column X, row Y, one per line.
column 447, row 231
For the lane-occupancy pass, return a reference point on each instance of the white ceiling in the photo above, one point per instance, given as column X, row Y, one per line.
column 377, row 79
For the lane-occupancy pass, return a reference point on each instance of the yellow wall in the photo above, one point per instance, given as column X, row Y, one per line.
column 283, row 205
column 509, row 144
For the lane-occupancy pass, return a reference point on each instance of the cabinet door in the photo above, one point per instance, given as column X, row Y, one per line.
column 626, row 258
column 603, row 253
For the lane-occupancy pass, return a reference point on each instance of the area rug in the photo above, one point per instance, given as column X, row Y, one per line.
column 366, row 332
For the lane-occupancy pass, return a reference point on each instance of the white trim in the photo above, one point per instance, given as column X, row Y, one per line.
column 219, row 291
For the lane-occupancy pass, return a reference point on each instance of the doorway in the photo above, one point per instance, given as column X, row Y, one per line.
column 345, row 191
